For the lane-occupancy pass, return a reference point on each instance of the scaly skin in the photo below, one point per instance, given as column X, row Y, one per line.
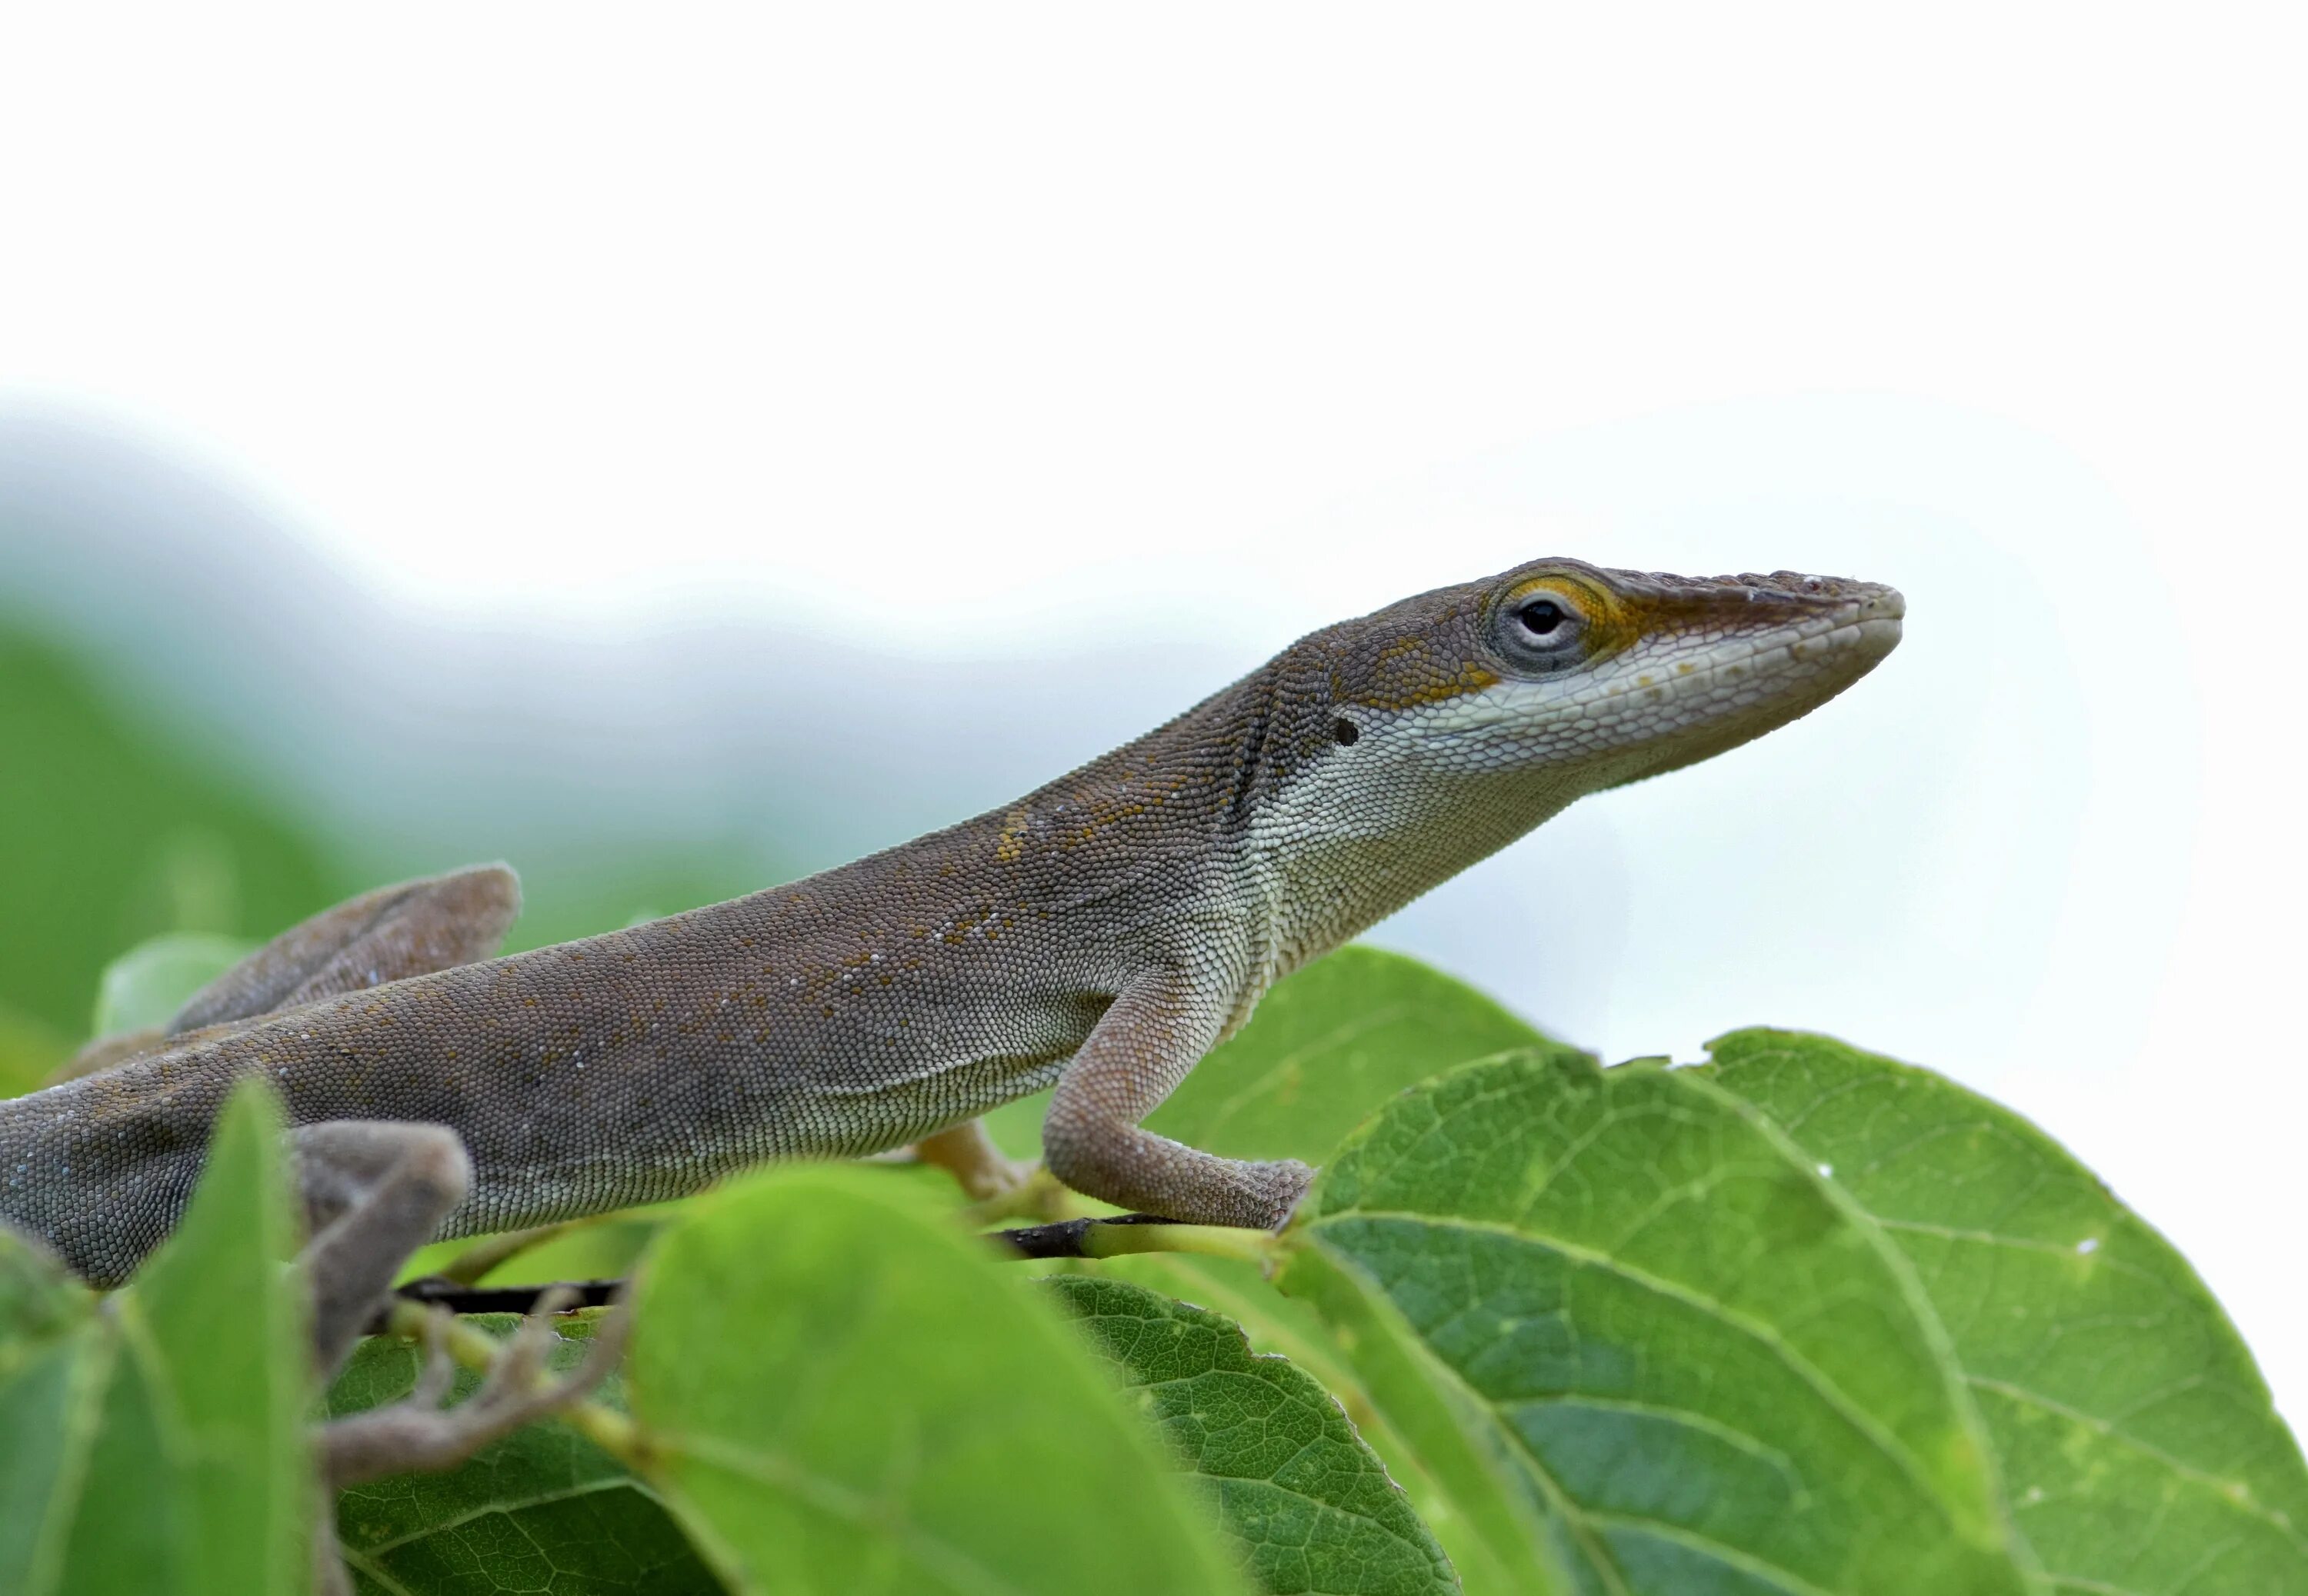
column 1103, row 932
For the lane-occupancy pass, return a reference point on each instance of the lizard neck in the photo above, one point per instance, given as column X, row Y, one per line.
column 1326, row 832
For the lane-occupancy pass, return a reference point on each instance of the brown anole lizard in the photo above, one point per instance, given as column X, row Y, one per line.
column 1101, row 933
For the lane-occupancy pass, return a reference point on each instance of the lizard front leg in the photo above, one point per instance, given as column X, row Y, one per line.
column 374, row 1192
column 1141, row 1049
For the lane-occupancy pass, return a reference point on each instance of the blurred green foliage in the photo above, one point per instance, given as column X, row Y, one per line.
column 118, row 829
column 113, row 831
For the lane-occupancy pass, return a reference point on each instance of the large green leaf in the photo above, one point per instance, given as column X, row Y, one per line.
column 2138, row 1447
column 160, row 1447
column 843, row 1393
column 1327, row 1047
column 1625, row 1321
column 543, row 1509
column 1311, row 1506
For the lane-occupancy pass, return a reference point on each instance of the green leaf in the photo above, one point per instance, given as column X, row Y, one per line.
column 130, row 1522
column 1627, row 1323
column 160, row 1447
column 40, row 1302
column 844, row 1394
column 543, row 1509
column 1327, row 1047
column 222, row 1321
column 1311, row 1506
column 46, row 1343
column 146, row 985
column 1293, row 1329
column 2138, row 1447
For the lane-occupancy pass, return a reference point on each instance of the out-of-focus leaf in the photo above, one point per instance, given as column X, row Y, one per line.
column 847, row 1395
column 2138, row 1448
column 147, row 985
column 45, row 1390
column 160, row 1447
column 223, row 1322
column 1310, row 1505
column 129, row 1522
column 1633, row 1331
column 543, row 1509
column 604, row 1249
column 40, row 1300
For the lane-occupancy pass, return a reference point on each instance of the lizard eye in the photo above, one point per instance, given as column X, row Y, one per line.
column 1540, row 616
column 1542, row 633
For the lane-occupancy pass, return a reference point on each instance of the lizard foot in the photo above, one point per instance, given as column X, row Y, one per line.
column 418, row 1434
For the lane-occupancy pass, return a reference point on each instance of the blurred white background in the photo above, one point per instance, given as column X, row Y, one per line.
column 1050, row 365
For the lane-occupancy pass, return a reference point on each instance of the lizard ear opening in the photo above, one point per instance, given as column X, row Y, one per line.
column 1345, row 732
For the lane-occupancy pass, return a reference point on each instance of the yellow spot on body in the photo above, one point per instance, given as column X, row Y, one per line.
column 1432, row 689
column 1012, row 841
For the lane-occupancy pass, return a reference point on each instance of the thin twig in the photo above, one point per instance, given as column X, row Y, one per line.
column 1116, row 1236
column 1126, row 1233
column 440, row 1291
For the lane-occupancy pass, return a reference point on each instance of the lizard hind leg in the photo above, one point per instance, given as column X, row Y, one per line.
column 969, row 1154
column 413, row 927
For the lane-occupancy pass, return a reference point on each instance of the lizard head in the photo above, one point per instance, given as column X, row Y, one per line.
column 1590, row 678
column 1461, row 718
